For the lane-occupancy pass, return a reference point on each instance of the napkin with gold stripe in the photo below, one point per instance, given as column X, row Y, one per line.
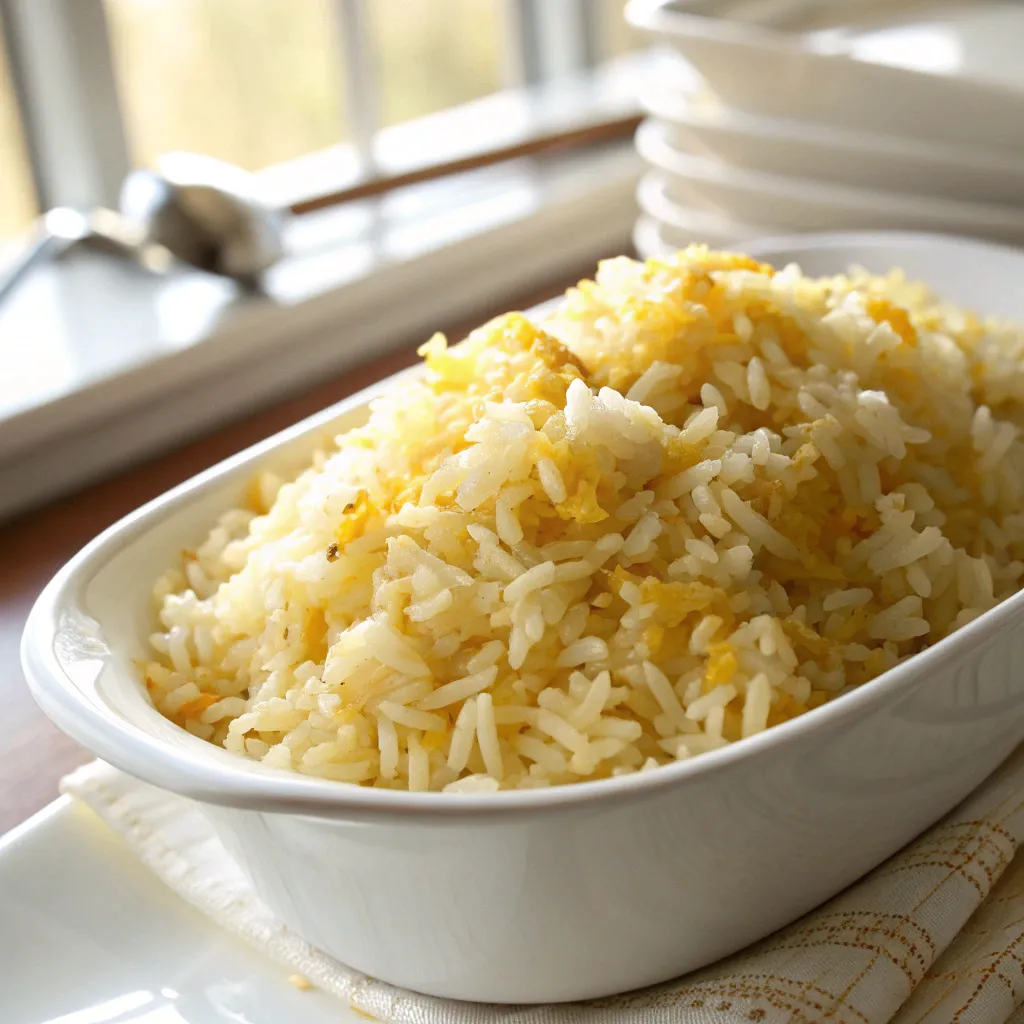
column 933, row 936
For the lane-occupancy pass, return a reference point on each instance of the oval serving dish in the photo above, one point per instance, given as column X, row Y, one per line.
column 569, row 892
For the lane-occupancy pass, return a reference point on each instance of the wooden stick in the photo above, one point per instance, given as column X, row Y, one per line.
column 577, row 138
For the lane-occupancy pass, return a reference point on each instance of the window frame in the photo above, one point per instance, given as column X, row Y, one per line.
column 62, row 71
column 71, row 120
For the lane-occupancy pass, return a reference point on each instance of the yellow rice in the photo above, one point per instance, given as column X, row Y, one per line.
column 703, row 499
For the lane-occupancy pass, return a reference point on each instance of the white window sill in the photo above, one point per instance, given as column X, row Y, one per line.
column 501, row 121
column 102, row 363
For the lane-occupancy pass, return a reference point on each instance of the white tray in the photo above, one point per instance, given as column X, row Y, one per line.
column 89, row 936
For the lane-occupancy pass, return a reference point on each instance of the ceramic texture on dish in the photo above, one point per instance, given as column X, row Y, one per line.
column 860, row 159
column 649, row 238
column 681, row 226
column 652, row 237
column 92, row 937
column 810, row 205
column 557, row 894
column 819, row 78
column 973, row 39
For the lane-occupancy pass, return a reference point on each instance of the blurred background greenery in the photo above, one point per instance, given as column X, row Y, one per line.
column 257, row 82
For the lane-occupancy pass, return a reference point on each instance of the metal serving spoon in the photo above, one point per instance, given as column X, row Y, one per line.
column 203, row 211
column 209, row 213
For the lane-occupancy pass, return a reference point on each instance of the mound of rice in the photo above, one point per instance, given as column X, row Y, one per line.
column 706, row 498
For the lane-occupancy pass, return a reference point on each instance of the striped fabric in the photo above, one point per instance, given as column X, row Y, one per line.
column 933, row 936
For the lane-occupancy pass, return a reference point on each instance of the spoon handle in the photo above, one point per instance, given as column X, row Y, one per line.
column 44, row 247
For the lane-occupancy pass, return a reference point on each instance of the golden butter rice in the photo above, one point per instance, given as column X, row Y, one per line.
column 704, row 498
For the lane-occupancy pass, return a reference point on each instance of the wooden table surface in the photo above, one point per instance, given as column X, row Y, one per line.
column 34, row 754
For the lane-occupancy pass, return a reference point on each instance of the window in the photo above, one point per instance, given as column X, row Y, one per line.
column 254, row 82
column 615, row 34
column 444, row 151
column 298, row 90
column 258, row 82
column 434, row 54
column 17, row 197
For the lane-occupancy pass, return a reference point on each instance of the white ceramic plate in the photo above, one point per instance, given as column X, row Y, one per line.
column 803, row 204
column 702, row 127
column 681, row 224
column 966, row 90
column 652, row 237
column 90, row 937
column 647, row 239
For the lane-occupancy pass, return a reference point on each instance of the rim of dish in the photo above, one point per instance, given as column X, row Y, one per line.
column 654, row 146
column 895, row 240
column 647, row 231
column 656, row 206
column 189, row 770
column 677, row 108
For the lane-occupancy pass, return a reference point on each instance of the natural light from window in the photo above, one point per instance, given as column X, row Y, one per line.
column 254, row 82
column 265, row 83
column 616, row 35
column 259, row 82
column 434, row 54
column 17, row 198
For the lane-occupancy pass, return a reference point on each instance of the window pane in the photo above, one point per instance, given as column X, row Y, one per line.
column 254, row 82
column 435, row 53
column 614, row 32
column 17, row 197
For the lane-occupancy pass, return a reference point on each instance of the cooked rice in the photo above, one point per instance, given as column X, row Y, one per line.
column 706, row 498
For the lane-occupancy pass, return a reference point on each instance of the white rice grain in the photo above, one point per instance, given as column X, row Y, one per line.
column 756, row 705
column 463, row 736
column 542, row 575
column 717, row 698
column 458, row 689
column 487, row 737
column 758, row 384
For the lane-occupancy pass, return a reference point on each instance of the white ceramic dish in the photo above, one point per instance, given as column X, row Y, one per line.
column 552, row 894
column 680, row 225
column 648, row 239
column 803, row 204
column 91, row 937
column 652, row 237
column 699, row 126
column 825, row 78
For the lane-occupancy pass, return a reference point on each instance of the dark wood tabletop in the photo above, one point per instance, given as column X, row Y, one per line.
column 34, row 754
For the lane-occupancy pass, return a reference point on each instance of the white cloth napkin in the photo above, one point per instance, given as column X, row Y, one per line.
column 935, row 935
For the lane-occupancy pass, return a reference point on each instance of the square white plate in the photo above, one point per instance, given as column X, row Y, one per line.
column 89, row 936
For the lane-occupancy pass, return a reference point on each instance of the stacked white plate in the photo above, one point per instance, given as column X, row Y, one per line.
column 781, row 116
